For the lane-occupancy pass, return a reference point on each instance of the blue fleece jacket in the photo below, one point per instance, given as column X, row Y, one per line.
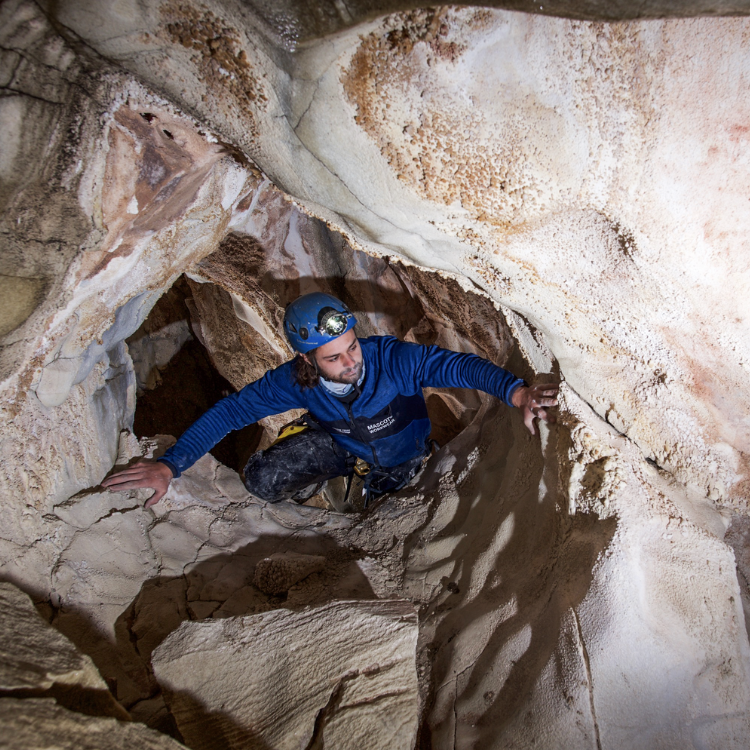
column 386, row 425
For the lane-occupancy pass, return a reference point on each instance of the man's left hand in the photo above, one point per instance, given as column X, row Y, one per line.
column 534, row 401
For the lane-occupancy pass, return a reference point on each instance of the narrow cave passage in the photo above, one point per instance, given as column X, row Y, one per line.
column 215, row 330
column 211, row 333
column 498, row 545
column 548, row 591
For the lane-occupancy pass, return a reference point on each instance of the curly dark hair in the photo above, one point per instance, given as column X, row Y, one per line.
column 305, row 372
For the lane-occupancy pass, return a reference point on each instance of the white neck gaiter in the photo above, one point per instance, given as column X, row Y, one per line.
column 342, row 389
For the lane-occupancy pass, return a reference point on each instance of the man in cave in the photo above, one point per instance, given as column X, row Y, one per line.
column 365, row 409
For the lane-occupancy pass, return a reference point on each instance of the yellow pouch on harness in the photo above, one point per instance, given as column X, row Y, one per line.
column 288, row 430
column 361, row 467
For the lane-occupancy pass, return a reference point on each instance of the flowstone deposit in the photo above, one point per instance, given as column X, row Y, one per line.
column 567, row 198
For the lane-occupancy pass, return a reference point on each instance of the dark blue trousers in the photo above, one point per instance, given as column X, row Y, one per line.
column 296, row 467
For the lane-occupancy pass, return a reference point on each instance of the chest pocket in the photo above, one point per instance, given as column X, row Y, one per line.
column 392, row 419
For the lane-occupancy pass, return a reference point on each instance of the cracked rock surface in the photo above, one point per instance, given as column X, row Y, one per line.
column 37, row 660
column 42, row 723
column 341, row 675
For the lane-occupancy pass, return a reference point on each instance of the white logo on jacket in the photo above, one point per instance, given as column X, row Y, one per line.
column 387, row 422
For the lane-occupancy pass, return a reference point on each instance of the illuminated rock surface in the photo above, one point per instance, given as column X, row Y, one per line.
column 342, row 675
column 581, row 189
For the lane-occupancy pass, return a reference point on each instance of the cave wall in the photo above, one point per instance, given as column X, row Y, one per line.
column 108, row 197
column 588, row 178
column 492, row 143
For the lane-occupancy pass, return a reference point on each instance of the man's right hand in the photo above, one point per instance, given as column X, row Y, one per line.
column 535, row 401
column 153, row 474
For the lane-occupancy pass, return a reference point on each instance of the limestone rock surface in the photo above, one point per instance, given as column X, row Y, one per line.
column 279, row 572
column 35, row 659
column 40, row 724
column 342, row 675
column 591, row 179
column 90, row 158
column 552, row 602
column 299, row 21
column 542, row 158
column 117, row 579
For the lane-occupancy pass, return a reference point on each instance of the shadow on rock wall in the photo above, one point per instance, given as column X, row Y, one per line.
column 397, row 299
column 509, row 565
column 234, row 585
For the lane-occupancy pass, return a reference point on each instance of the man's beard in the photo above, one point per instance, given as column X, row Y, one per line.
column 346, row 379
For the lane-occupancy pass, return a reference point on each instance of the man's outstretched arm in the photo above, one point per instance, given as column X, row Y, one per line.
column 443, row 368
column 271, row 394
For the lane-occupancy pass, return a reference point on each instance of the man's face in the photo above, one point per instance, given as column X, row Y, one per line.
column 340, row 360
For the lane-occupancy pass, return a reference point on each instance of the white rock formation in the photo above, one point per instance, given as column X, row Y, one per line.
column 560, row 165
column 589, row 178
column 342, row 675
column 555, row 610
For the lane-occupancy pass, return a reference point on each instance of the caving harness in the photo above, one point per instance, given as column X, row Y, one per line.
column 377, row 479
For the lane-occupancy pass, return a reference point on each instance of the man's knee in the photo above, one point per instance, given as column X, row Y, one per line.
column 284, row 470
column 265, row 479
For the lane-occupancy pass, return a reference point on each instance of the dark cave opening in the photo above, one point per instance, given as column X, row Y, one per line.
column 188, row 385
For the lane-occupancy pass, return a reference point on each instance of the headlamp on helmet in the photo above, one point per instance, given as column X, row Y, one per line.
column 315, row 319
column 333, row 322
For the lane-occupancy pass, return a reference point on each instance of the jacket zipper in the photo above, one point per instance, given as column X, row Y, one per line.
column 355, row 429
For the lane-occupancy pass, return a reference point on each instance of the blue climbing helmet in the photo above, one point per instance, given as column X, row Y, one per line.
column 315, row 319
